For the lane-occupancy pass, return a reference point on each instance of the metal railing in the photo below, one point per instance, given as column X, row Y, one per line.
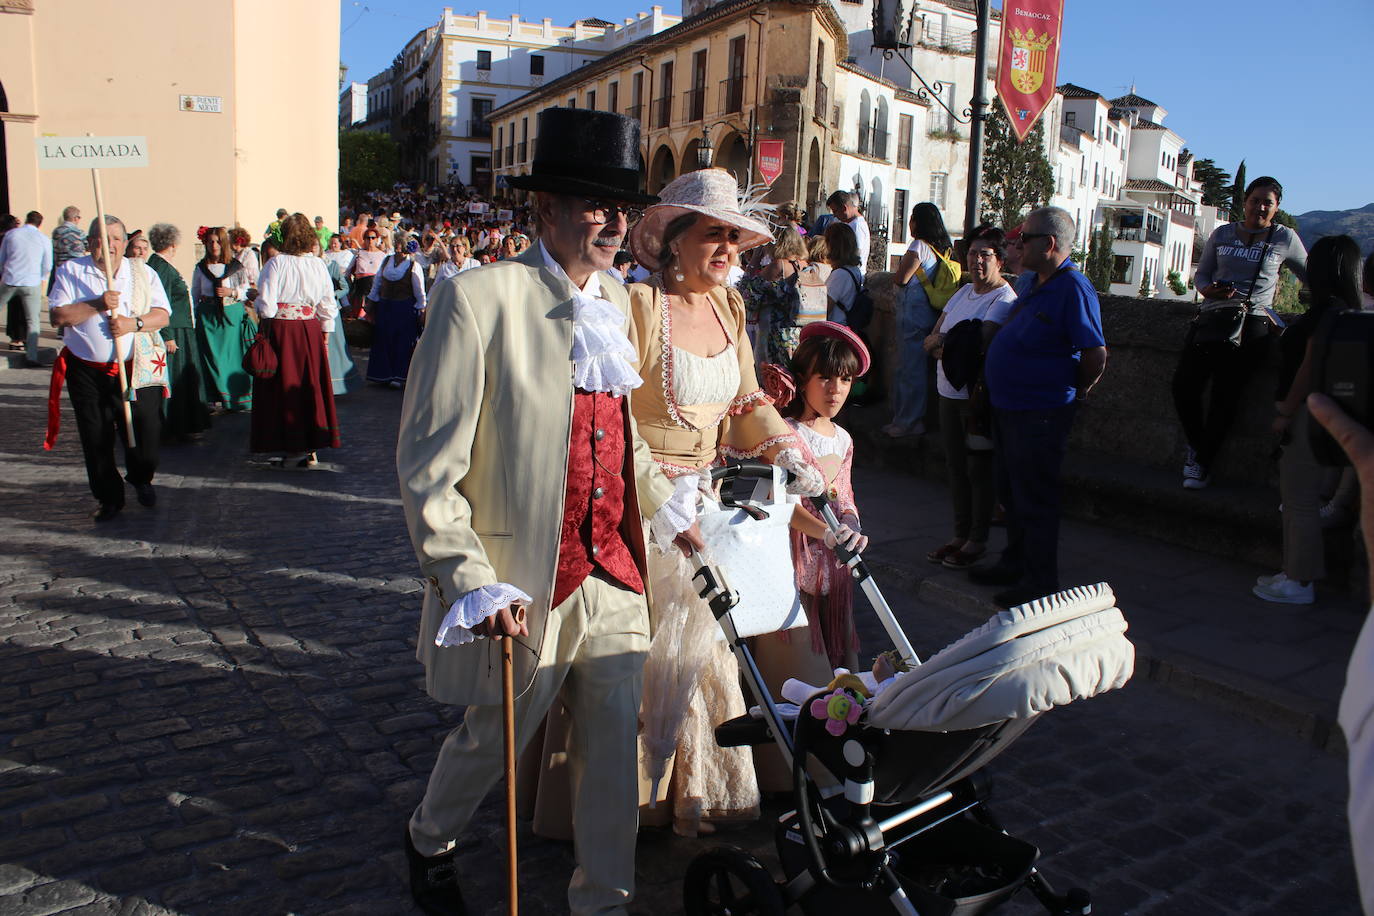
column 520, row 151
column 510, row 154
column 661, row 113
column 694, row 104
column 479, row 128
column 732, row 95
column 865, row 140
column 934, row 36
column 636, row 112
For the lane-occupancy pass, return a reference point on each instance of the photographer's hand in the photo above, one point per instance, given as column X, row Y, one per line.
column 1358, row 442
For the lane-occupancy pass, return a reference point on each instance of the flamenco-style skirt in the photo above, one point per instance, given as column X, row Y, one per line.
column 396, row 327
column 293, row 411
column 184, row 412
column 224, row 333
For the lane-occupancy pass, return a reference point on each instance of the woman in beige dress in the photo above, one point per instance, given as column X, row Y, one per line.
column 699, row 404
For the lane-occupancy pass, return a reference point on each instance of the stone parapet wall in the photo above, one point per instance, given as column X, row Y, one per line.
column 1130, row 415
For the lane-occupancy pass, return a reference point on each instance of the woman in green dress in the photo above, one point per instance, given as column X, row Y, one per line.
column 224, row 329
column 184, row 412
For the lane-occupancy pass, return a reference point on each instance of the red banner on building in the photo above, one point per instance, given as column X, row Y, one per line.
column 770, row 160
column 1028, row 63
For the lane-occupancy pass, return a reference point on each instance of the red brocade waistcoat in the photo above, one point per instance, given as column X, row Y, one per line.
column 594, row 501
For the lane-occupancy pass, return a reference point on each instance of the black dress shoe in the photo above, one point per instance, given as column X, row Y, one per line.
column 1014, row 597
column 106, row 512
column 997, row 574
column 434, row 882
column 147, row 496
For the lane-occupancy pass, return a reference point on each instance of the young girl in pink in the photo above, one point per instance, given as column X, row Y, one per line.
column 828, row 359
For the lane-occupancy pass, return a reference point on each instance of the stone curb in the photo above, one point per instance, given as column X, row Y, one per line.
column 1189, row 675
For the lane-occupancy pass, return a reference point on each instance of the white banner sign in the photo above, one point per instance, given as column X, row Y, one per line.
column 92, row 152
column 213, row 104
column 505, row 216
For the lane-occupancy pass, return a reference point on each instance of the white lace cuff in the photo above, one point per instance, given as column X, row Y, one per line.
column 677, row 514
column 806, row 480
column 473, row 608
column 601, row 352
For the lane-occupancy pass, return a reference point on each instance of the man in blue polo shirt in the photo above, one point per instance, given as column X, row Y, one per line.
column 1040, row 364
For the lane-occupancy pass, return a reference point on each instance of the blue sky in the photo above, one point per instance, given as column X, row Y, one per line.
column 1281, row 85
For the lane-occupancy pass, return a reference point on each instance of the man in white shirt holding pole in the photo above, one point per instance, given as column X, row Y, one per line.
column 99, row 316
column 25, row 263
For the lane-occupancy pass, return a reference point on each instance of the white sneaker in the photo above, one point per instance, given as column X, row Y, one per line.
column 1195, row 476
column 1286, row 592
column 1276, row 579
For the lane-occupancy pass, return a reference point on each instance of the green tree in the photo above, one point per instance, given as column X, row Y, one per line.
column 1098, row 268
column 1016, row 176
column 1216, row 183
column 1238, row 194
column 1286, row 292
column 1284, row 218
column 1146, row 288
column 368, row 161
column 1175, row 281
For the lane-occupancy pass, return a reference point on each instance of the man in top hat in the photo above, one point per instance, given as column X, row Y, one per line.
column 524, row 483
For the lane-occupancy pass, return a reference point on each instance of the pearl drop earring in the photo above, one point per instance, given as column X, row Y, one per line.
column 678, row 275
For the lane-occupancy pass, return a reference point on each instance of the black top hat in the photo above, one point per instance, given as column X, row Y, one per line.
column 584, row 152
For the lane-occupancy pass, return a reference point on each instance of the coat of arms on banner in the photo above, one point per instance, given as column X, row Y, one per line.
column 1028, row 59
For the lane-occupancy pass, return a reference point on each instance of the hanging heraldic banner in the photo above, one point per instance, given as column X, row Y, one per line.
column 1028, row 62
column 92, row 152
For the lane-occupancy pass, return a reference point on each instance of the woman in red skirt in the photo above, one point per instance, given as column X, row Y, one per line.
column 293, row 411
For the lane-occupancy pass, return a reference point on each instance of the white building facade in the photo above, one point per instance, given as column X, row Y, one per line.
column 477, row 64
column 898, row 163
column 352, row 105
column 1116, row 164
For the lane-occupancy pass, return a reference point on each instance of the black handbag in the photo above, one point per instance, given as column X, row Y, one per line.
column 1226, row 323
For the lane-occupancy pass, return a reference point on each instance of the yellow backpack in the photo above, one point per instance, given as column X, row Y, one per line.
column 940, row 288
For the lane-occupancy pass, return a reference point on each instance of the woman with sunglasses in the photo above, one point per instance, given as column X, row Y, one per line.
column 366, row 262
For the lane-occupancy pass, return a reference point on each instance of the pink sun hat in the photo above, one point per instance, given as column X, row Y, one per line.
column 713, row 192
column 839, row 332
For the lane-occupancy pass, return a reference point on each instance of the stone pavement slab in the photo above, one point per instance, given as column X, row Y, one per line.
column 214, row 707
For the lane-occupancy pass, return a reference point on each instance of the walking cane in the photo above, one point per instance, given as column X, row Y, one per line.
column 508, row 708
column 109, row 314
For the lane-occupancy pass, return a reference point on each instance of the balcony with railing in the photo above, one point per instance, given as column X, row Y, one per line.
column 661, row 112
column 520, row 151
column 732, row 95
column 478, row 127
column 694, row 104
column 636, row 112
column 510, row 154
column 822, row 100
column 960, row 41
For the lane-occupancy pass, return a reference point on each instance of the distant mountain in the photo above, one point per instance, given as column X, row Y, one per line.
column 1358, row 224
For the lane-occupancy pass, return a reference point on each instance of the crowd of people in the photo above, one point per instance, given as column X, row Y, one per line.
column 699, row 328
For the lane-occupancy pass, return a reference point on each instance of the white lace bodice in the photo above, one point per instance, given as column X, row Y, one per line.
column 821, row 446
column 705, row 379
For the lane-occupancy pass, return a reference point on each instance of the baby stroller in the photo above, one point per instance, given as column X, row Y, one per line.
column 904, row 827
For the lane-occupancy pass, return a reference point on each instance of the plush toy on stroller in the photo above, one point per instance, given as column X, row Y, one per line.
column 903, row 826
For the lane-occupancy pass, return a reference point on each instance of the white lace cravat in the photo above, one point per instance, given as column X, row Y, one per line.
column 601, row 352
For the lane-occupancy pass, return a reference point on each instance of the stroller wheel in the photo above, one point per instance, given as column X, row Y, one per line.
column 727, row 881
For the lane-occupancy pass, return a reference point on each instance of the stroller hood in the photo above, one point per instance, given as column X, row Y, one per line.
column 1049, row 652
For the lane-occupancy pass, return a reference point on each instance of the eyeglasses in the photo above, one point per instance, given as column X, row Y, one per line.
column 1032, row 236
column 603, row 211
column 369, row 236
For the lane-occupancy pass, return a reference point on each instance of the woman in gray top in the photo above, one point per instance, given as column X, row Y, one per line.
column 1239, row 266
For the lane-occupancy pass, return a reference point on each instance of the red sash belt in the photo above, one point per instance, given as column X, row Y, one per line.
column 59, row 375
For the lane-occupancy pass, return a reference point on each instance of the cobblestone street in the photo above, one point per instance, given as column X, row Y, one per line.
column 214, row 707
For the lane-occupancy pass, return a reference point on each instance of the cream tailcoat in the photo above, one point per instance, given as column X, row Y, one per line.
column 482, row 457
